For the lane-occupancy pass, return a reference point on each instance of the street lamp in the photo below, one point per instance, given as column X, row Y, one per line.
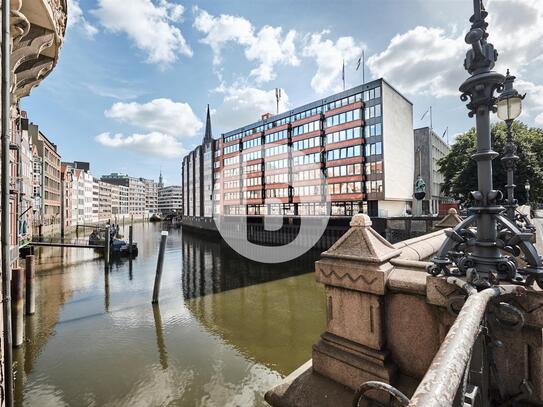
column 527, row 188
column 509, row 107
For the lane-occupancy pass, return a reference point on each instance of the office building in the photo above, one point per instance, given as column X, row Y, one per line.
column 347, row 153
column 429, row 148
column 170, row 200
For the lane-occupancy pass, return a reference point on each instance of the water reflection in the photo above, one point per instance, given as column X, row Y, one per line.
column 211, row 266
column 226, row 330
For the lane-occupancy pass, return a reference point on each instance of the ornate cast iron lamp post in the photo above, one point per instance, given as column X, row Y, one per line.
column 476, row 247
column 509, row 108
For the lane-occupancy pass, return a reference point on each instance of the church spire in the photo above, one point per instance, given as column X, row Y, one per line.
column 160, row 180
column 207, row 135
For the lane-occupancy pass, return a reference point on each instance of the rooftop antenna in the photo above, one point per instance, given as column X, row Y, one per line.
column 277, row 97
column 431, row 117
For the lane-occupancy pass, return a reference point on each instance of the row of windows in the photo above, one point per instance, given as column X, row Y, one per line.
column 277, row 193
column 307, row 113
column 374, row 149
column 374, row 93
column 230, row 196
column 231, row 149
column 252, row 143
column 231, row 184
column 374, row 186
column 248, row 169
column 307, row 143
column 372, row 111
column 374, row 168
column 306, row 128
column 307, row 175
column 276, row 150
column 231, row 160
column 277, row 178
column 253, row 155
column 373, row 130
column 306, row 159
column 251, row 182
column 279, row 135
column 233, row 137
column 308, row 190
column 231, row 172
column 344, row 170
column 346, row 152
column 344, row 117
column 345, row 188
column 345, row 101
column 254, row 194
column 343, row 135
column 273, row 165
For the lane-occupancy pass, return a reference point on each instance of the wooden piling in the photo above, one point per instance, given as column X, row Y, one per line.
column 17, row 306
column 130, row 238
column 107, row 247
column 30, row 295
column 160, row 263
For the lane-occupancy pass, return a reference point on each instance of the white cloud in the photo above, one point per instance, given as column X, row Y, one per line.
column 76, row 18
column 151, row 26
column 329, row 56
column 533, row 104
column 163, row 115
column 154, row 143
column 167, row 124
column 268, row 46
column 243, row 104
column 427, row 60
column 422, row 61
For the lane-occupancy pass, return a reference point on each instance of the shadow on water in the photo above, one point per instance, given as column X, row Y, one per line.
column 227, row 328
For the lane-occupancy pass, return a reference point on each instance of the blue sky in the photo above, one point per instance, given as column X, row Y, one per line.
column 134, row 77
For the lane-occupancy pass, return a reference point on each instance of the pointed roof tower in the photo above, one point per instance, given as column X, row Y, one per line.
column 160, row 180
column 207, row 134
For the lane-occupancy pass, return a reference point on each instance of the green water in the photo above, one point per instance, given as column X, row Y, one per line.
column 226, row 331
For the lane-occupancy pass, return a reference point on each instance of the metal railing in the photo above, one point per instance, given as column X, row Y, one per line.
column 448, row 381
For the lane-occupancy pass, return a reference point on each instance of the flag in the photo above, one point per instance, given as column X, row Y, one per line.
column 445, row 132
column 343, row 74
column 424, row 115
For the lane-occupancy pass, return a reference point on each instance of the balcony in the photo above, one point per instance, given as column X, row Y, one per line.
column 37, row 28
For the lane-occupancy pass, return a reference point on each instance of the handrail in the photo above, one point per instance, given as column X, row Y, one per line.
column 440, row 385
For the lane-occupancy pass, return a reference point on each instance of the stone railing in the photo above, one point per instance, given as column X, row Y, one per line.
column 386, row 321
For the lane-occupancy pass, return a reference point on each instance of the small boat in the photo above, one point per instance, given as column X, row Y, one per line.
column 122, row 248
column 155, row 217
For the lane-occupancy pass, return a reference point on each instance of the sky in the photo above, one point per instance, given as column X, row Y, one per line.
column 130, row 90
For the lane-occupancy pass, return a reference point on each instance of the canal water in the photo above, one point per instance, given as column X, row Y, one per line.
column 227, row 329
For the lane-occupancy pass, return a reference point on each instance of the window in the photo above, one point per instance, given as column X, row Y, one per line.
column 374, row 149
column 253, row 155
column 248, row 169
column 306, row 159
column 277, row 193
column 374, row 168
column 231, row 160
column 307, row 113
column 251, row 182
column 276, row 150
column 373, row 130
column 344, row 102
column 306, row 128
column 342, row 188
column 280, row 135
column 253, row 194
column 374, row 93
column 232, row 137
column 277, row 164
column 346, row 152
column 252, row 143
column 307, row 143
column 231, row 149
column 277, row 178
column 306, row 175
column 343, row 135
column 374, row 186
column 308, row 190
column 372, row 111
column 344, row 117
column 344, row 170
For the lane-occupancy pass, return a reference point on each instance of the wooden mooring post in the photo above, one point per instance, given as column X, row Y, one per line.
column 30, row 295
column 130, row 238
column 17, row 306
column 160, row 264
column 107, row 247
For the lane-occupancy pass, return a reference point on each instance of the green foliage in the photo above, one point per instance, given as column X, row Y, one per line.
column 460, row 170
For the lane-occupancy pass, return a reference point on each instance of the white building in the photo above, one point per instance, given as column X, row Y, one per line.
column 170, row 199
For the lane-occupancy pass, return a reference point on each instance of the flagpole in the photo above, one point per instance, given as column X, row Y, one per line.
column 363, row 67
column 343, row 75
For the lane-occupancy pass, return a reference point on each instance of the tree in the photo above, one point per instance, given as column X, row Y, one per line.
column 460, row 170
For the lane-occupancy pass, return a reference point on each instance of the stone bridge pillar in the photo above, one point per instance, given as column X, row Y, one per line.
column 354, row 271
